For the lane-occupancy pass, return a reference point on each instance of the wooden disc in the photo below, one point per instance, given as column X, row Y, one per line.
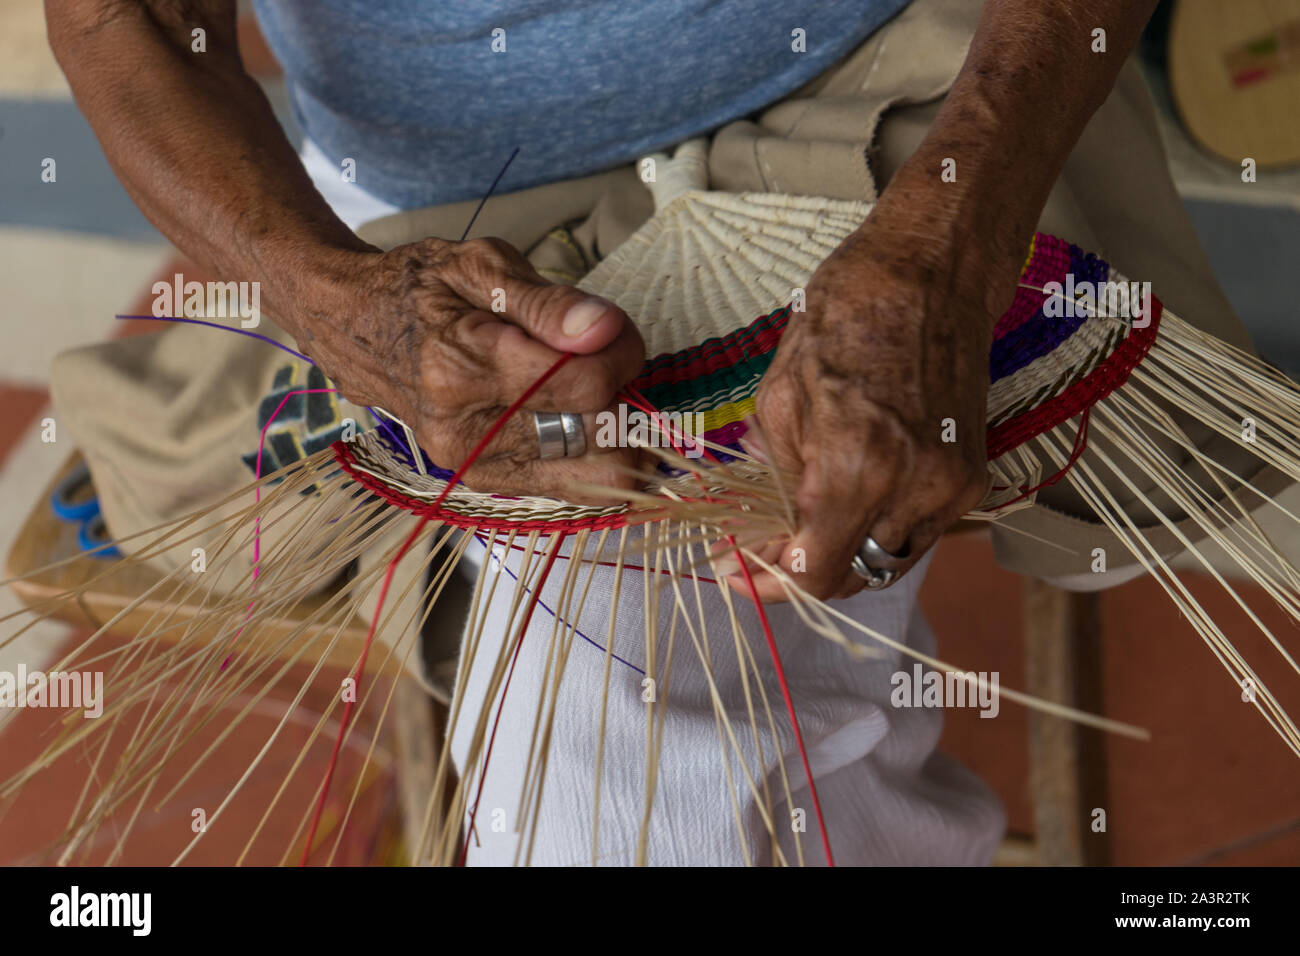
column 1235, row 73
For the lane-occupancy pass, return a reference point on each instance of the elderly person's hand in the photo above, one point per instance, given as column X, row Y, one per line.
column 895, row 339
column 875, row 400
column 446, row 335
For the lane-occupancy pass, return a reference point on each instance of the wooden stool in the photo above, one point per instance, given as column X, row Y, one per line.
column 1067, row 762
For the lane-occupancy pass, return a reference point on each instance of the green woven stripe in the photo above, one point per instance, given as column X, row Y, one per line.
column 676, row 394
column 742, row 338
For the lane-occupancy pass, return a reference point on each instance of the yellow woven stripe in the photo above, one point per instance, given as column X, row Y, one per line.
column 1029, row 258
column 729, row 413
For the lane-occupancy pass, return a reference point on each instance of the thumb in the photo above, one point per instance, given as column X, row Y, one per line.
column 565, row 318
column 574, row 323
column 491, row 275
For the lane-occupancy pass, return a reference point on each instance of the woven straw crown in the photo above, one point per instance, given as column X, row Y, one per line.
column 694, row 277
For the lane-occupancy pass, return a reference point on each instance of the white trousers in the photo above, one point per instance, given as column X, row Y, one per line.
column 887, row 797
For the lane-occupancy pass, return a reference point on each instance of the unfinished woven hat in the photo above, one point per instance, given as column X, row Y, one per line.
column 710, row 280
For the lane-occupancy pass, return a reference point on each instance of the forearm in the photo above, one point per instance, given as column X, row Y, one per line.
column 1028, row 87
column 196, row 144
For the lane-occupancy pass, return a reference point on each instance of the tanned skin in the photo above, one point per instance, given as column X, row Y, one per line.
column 895, row 338
column 900, row 318
column 196, row 144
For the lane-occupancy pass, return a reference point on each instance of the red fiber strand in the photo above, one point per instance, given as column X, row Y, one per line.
column 356, row 690
column 388, row 577
column 514, row 659
column 257, row 497
column 639, row 401
column 1080, row 446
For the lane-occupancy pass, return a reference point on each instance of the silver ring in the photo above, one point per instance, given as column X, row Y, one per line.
column 559, row 435
column 879, row 567
column 575, row 436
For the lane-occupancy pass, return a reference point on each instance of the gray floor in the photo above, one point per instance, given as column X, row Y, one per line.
column 91, row 200
column 1255, row 251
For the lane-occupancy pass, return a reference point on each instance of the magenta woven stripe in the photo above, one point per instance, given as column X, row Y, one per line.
column 1049, row 263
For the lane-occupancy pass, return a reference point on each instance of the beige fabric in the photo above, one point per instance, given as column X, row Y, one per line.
column 818, row 141
column 163, row 421
column 163, row 418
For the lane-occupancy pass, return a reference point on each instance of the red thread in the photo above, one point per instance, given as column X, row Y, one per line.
column 257, row 498
column 639, row 401
column 348, row 707
column 514, row 659
column 1080, row 445
column 435, row 512
column 388, row 577
column 1110, row 374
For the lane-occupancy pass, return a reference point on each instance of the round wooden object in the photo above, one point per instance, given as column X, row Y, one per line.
column 1235, row 73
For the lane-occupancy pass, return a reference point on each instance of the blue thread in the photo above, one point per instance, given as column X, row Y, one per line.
column 543, row 606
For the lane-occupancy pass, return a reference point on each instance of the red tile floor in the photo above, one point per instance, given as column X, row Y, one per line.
column 1214, row 784
column 42, row 810
column 164, row 823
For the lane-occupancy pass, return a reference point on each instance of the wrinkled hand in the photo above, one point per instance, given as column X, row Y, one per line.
column 894, row 343
column 413, row 331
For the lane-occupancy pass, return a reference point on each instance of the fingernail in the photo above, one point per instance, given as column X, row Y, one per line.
column 727, row 565
column 583, row 316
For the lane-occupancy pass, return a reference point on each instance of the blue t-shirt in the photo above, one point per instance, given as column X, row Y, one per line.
column 430, row 97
